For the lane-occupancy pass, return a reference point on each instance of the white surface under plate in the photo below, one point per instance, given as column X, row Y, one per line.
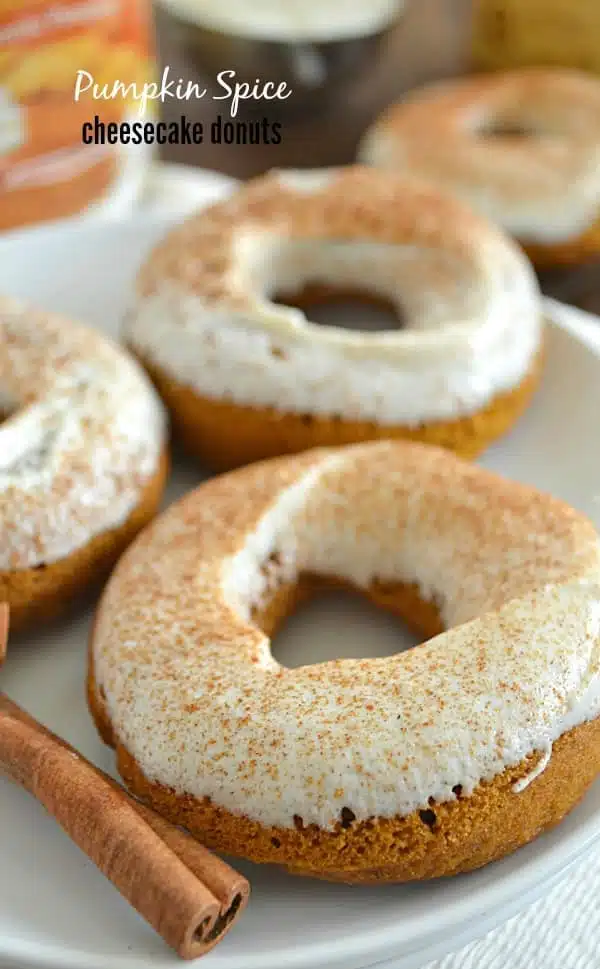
column 56, row 910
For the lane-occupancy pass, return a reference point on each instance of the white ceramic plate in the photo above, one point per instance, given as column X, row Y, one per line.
column 56, row 910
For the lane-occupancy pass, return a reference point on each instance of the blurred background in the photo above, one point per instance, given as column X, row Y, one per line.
column 344, row 59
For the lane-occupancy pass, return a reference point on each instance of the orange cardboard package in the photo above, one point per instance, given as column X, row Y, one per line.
column 46, row 171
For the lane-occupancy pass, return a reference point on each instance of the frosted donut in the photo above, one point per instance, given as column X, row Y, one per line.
column 247, row 378
column 82, row 458
column 523, row 147
column 433, row 761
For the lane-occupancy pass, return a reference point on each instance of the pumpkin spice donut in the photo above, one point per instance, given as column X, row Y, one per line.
column 82, row 458
column 427, row 763
column 523, row 147
column 247, row 378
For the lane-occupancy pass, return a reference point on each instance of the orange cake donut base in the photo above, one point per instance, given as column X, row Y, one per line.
column 446, row 839
column 571, row 252
column 42, row 593
column 227, row 435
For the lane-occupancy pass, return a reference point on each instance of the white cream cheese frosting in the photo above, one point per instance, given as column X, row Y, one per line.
column 195, row 696
column 542, row 186
column 204, row 310
column 83, row 434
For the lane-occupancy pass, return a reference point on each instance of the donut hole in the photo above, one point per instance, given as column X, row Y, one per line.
column 511, row 128
column 313, row 621
column 348, row 308
column 358, row 284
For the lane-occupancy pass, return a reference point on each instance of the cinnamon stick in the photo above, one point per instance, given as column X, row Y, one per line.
column 186, row 893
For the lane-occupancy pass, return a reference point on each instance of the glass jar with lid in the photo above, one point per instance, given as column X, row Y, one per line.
column 343, row 60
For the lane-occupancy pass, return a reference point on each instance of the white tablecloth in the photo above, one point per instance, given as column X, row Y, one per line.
column 561, row 930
